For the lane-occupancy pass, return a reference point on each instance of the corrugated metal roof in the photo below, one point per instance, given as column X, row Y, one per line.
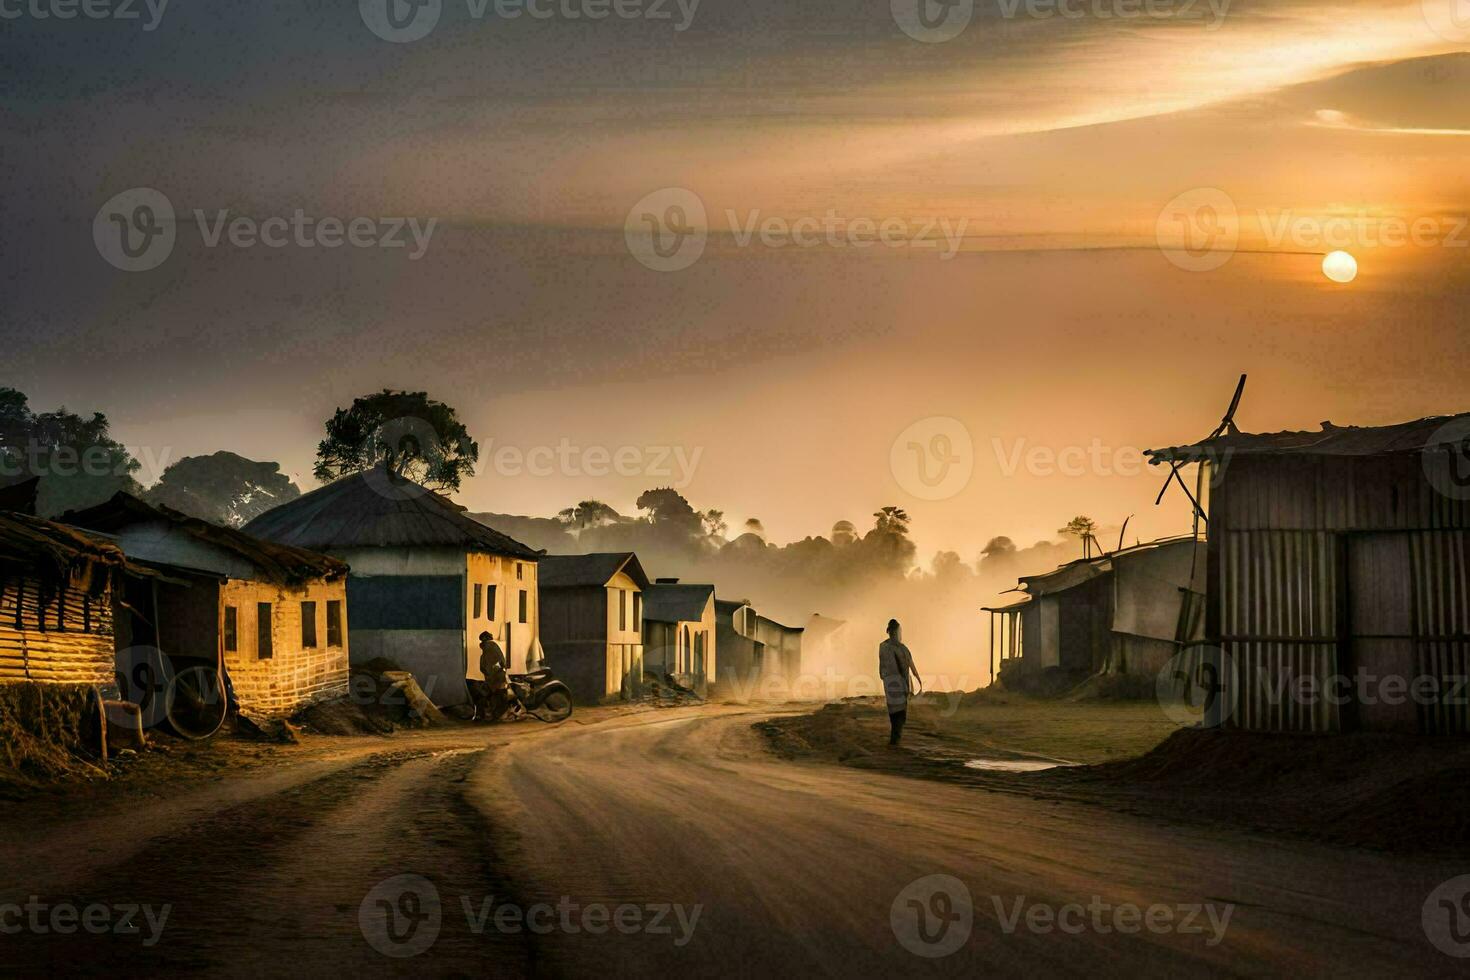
column 571, row 571
column 376, row 509
column 1067, row 576
column 1331, row 440
column 276, row 562
column 676, row 603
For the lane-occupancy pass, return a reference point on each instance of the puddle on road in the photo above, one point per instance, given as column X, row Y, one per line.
column 1012, row 765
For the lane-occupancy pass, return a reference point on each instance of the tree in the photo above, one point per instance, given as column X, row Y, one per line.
column 223, row 488
column 1083, row 528
column 754, row 526
column 714, row 523
column 407, row 431
column 887, row 548
column 891, row 520
column 949, row 568
column 76, row 458
column 589, row 513
column 668, row 510
column 844, row 533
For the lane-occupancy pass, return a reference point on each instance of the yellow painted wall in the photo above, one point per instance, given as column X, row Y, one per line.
column 483, row 570
column 294, row 676
column 624, row 645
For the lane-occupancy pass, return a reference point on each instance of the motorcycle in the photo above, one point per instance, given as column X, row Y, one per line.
column 539, row 695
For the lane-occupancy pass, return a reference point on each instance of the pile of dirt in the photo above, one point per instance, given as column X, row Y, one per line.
column 834, row 732
column 382, row 697
column 1384, row 791
column 47, row 732
column 1115, row 687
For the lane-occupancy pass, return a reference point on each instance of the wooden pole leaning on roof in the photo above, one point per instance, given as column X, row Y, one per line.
column 1227, row 424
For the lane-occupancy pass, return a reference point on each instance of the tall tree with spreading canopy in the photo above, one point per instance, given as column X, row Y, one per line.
column 76, row 458
column 411, row 434
column 223, row 488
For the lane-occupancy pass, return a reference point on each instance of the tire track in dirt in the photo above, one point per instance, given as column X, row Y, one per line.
column 275, row 882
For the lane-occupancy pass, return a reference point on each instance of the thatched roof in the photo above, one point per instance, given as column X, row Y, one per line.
column 573, row 571
column 51, row 551
column 376, row 509
column 276, row 562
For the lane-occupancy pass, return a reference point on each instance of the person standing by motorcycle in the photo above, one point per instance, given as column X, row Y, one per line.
column 496, row 686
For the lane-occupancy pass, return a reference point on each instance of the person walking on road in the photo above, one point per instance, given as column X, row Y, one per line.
column 895, row 667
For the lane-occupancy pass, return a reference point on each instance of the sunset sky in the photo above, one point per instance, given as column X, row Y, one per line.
column 1055, row 145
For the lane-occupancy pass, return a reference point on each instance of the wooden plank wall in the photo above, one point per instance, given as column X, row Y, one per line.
column 55, row 639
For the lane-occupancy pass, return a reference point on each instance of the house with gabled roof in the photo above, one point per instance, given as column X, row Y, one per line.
column 592, row 623
column 679, row 630
column 426, row 578
column 271, row 617
column 1338, row 575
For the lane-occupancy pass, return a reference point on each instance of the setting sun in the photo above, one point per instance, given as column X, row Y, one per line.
column 1340, row 267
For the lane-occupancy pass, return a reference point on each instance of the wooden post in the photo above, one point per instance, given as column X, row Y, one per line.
column 992, row 646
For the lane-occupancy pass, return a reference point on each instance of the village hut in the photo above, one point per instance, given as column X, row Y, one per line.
column 740, row 654
column 56, row 603
column 426, row 578
column 1128, row 612
column 760, row 658
column 680, row 633
column 1338, row 574
column 271, row 617
column 592, row 623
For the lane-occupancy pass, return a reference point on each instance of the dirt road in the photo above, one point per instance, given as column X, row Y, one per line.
column 672, row 841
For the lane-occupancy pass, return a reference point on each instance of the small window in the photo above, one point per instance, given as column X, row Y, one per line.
column 308, row 625
column 638, row 611
column 623, row 609
column 520, row 572
column 479, row 597
column 264, row 644
column 334, row 622
column 523, row 605
column 232, row 629
column 489, row 602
